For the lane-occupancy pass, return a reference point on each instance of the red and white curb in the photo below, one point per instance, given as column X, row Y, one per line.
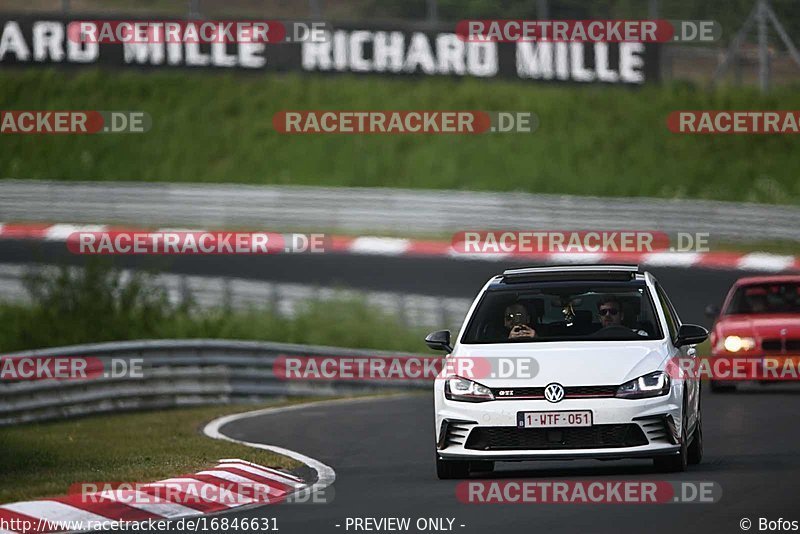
column 149, row 502
column 389, row 246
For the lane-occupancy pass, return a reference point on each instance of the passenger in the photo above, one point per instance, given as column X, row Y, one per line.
column 517, row 321
column 611, row 314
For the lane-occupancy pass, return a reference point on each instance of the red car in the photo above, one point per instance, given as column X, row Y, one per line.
column 760, row 318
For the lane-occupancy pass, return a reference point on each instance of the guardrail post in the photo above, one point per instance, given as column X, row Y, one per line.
column 402, row 311
column 194, row 9
column 227, row 294
column 274, row 299
column 445, row 314
column 185, row 291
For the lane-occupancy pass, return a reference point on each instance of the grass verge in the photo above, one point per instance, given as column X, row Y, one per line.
column 43, row 459
column 217, row 128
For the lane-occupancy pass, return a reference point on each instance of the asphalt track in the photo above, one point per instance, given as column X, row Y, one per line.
column 382, row 450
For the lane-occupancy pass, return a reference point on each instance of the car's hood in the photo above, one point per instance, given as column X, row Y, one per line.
column 759, row 326
column 582, row 363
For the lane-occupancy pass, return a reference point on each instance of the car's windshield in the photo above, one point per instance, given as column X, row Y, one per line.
column 564, row 311
column 781, row 297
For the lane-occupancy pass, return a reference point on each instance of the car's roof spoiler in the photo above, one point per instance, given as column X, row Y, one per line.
column 617, row 272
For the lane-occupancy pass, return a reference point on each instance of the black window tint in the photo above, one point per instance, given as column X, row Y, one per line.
column 564, row 311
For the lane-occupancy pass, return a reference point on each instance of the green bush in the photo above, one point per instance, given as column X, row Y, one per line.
column 99, row 303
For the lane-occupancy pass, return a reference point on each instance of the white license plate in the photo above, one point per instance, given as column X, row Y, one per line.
column 554, row 419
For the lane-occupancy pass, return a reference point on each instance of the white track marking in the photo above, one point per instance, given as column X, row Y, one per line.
column 388, row 246
column 53, row 511
column 761, row 261
column 264, row 474
column 60, row 232
column 149, row 503
column 325, row 474
column 670, row 259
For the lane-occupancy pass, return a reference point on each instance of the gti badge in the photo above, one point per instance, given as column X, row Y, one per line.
column 554, row 392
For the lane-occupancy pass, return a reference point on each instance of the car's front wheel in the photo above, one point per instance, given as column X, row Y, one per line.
column 696, row 446
column 675, row 463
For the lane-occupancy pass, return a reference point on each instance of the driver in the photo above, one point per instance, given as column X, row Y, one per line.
column 611, row 314
column 517, row 320
column 757, row 302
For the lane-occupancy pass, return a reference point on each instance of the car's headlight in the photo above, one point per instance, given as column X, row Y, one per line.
column 461, row 389
column 736, row 343
column 650, row 385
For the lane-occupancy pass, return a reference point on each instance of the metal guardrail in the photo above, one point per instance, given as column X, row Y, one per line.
column 380, row 210
column 176, row 373
column 411, row 310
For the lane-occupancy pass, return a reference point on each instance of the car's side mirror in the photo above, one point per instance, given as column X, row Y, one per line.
column 691, row 334
column 712, row 311
column 439, row 340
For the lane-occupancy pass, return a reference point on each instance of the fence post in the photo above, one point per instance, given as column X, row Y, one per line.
column 433, row 11
column 652, row 9
column 763, row 48
column 194, row 9
column 315, row 9
column 542, row 10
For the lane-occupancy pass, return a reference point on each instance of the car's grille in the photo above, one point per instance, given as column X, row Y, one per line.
column 570, row 392
column 499, row 438
column 777, row 344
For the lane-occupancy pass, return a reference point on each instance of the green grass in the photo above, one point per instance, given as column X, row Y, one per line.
column 217, row 128
column 43, row 459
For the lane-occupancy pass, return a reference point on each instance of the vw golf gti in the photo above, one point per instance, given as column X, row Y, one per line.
column 567, row 362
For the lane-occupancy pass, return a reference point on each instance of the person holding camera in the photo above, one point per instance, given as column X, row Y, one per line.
column 517, row 321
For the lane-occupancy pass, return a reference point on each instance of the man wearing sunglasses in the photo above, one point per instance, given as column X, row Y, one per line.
column 517, row 321
column 611, row 314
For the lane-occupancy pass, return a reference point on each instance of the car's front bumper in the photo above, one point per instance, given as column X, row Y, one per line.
column 658, row 418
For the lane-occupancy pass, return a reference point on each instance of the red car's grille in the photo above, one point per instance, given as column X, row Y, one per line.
column 778, row 345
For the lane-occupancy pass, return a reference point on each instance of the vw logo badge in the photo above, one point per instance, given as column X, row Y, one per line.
column 554, row 392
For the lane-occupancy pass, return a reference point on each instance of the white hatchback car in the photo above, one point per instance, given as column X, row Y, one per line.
column 567, row 362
